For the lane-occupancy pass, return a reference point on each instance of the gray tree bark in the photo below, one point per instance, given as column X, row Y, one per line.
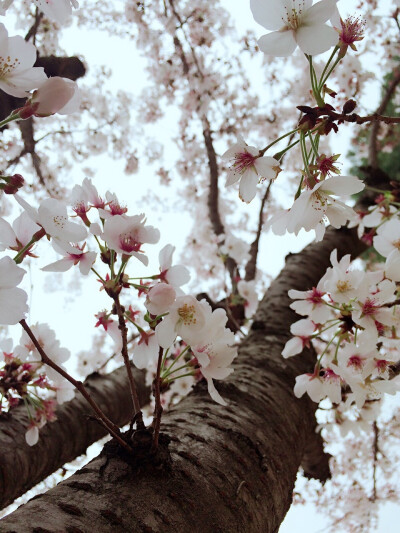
column 226, row 469
column 23, row 466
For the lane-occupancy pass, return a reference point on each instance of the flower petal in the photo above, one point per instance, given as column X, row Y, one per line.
column 278, row 43
column 315, row 40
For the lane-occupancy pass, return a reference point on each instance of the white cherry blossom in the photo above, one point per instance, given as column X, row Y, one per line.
column 247, row 290
column 145, row 353
column 187, row 317
column 302, row 331
column 126, row 235
column 52, row 216
column 56, row 95
column 313, row 206
column 295, row 23
column 175, row 275
column 387, row 238
column 17, row 73
column 311, row 303
column 392, row 266
column 248, row 167
column 216, row 352
column 73, row 255
column 160, row 298
column 18, row 235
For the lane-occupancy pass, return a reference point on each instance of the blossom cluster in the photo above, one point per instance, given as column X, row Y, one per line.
column 353, row 320
column 18, row 77
column 23, row 378
column 208, row 346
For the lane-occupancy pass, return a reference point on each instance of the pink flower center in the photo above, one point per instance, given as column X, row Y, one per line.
column 331, row 376
column 352, row 30
column 355, row 361
column 316, row 296
column 128, row 243
column 369, row 307
column 243, row 161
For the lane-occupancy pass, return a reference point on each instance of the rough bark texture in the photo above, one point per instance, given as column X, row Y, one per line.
column 23, row 466
column 232, row 469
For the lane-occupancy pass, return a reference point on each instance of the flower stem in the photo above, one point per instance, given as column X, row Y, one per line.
column 124, row 351
column 112, row 428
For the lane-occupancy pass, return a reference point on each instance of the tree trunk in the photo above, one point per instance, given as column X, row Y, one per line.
column 226, row 469
column 23, row 466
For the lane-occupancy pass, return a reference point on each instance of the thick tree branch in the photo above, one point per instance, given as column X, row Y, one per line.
column 23, row 466
column 233, row 469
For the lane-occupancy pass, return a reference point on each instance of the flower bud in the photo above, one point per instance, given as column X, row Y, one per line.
column 56, row 95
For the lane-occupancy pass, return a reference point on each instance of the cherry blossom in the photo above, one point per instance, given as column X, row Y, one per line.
column 18, row 235
column 311, row 303
column 13, row 306
column 369, row 312
column 73, row 255
column 295, row 23
column 17, row 73
column 247, row 290
column 160, row 298
column 312, row 206
column 55, row 95
column 175, row 275
column 319, row 387
column 53, row 218
column 388, row 237
column 303, row 330
column 392, row 266
column 126, row 235
column 187, row 317
column 216, row 353
column 236, row 248
column 145, row 353
column 248, row 166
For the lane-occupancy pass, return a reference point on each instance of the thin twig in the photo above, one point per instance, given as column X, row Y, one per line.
column 251, row 266
column 124, row 351
column 373, row 142
column 158, row 410
column 375, row 450
column 112, row 428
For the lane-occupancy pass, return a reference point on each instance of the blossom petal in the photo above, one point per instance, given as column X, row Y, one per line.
column 264, row 166
column 165, row 333
column 319, row 12
column 316, row 39
column 10, row 274
column 215, row 395
column 248, row 186
column 278, row 43
column 341, row 185
column 269, row 14
column 13, row 306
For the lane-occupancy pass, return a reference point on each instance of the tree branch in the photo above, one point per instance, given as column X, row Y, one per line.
column 23, row 466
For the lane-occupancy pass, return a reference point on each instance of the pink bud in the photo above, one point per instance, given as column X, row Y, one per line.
column 160, row 298
column 56, row 95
